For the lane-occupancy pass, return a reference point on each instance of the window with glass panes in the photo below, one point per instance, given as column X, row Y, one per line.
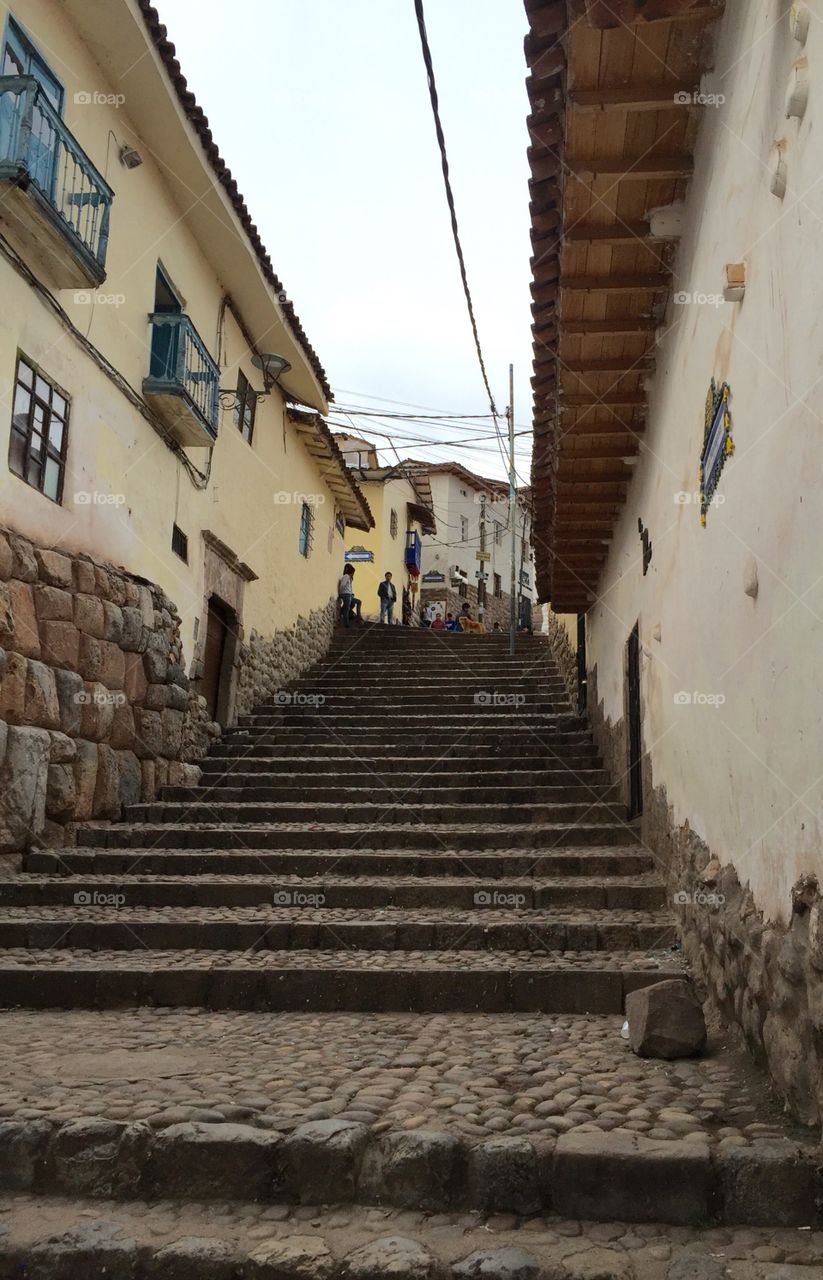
column 393, row 523
column 245, row 407
column 39, row 431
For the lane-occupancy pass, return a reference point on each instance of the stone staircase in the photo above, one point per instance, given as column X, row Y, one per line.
column 423, row 823
column 378, row 957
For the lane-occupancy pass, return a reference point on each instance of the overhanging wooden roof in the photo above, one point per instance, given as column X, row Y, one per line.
column 319, row 441
column 612, row 139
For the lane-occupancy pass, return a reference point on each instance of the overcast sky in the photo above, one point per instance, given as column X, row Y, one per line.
column 321, row 110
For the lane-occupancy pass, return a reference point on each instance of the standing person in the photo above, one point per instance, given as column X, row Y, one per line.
column 387, row 593
column 407, row 609
column 345, row 591
column 428, row 615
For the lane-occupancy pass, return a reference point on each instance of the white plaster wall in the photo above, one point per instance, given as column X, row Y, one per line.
column 746, row 773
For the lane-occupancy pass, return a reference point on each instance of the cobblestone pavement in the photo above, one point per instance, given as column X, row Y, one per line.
column 582, row 1250
column 473, row 1075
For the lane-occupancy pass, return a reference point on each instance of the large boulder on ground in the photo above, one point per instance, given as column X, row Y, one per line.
column 666, row 1020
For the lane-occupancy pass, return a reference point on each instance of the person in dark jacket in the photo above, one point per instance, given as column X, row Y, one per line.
column 387, row 593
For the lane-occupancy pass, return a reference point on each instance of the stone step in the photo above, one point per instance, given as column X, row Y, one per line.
column 343, row 1109
column 357, row 789
column 403, row 686
column 63, row 1235
column 208, row 808
column 481, row 718
column 304, row 922
column 390, row 862
column 638, row 892
column 392, row 771
column 526, row 747
column 326, row 981
column 407, row 835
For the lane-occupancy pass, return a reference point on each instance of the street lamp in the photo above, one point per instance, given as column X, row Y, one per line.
column 273, row 368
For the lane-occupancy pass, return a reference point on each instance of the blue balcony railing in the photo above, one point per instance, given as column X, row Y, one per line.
column 37, row 148
column 181, row 366
column 414, row 551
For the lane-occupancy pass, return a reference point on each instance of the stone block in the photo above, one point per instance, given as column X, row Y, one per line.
column 84, row 576
column 508, row 1263
column 22, row 1151
column 13, row 688
column 94, row 1249
column 85, row 779
column 83, row 1156
column 122, row 729
column 208, row 1161
column 23, row 785
column 504, row 1176
column 41, row 707
column 157, row 696
column 25, row 636
column 89, row 615
column 631, row 1178
column 97, row 712
column 61, row 793
column 107, row 786
column 666, row 1020
column 113, row 669
column 149, row 777
column 202, row 1257
column 149, row 733
column 112, row 623
column 134, row 678
column 156, row 665
column 131, row 778
column 177, row 698
column 132, row 637
column 51, row 603
column 69, row 688
column 394, row 1256
column 54, row 568
column 172, row 729
column 322, row 1159
column 60, row 645
column 117, row 585
column 102, row 582
column 6, row 615
column 418, row 1169
column 6, row 558
column 24, row 563
column 146, row 606
column 63, row 748
column 292, row 1258
column 769, row 1184
column 90, row 660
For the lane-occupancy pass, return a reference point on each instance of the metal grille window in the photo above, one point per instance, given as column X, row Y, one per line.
column 498, row 533
column 306, row 530
column 464, row 528
column 393, row 523
column 179, row 543
column 498, row 585
column 245, row 407
column 39, row 431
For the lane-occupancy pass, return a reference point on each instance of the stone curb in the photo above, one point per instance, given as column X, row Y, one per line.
column 601, row 1177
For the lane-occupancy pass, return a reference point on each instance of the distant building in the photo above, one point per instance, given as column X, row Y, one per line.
column 473, row 537
column 401, row 506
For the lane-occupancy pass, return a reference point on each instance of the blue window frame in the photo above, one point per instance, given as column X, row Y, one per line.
column 306, row 530
column 20, row 58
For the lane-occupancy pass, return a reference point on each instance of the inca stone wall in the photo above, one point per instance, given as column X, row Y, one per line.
column 95, row 706
column 764, row 979
column 564, row 654
column 266, row 664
